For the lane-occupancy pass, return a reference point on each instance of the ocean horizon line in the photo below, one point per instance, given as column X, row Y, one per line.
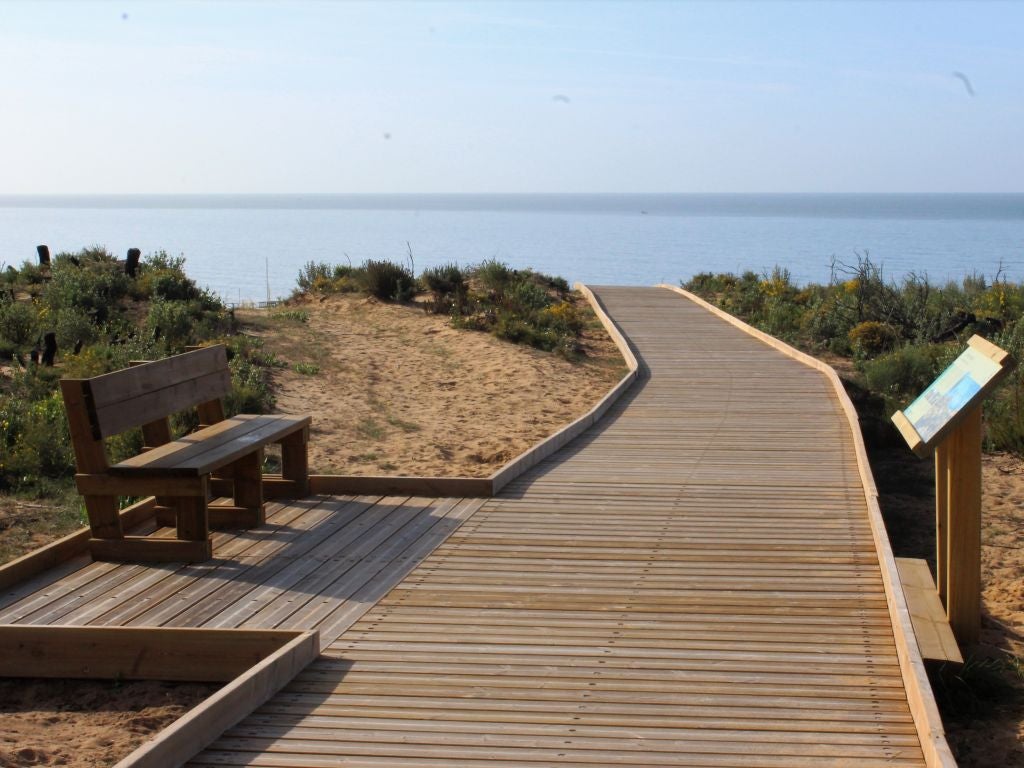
column 843, row 205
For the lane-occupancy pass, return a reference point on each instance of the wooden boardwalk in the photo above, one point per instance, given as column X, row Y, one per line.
column 693, row 582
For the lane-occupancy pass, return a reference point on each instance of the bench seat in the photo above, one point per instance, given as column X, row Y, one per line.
column 211, row 448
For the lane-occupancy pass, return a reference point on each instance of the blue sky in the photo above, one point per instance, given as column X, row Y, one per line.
column 511, row 97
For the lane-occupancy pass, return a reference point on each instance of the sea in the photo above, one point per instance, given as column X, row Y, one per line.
column 250, row 248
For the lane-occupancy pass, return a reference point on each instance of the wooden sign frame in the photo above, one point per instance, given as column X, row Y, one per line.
column 943, row 406
column 946, row 419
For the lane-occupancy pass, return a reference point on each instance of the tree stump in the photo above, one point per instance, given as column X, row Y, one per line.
column 131, row 266
column 49, row 349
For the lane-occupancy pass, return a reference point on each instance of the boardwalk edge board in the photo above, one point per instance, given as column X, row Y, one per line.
column 255, row 664
column 919, row 692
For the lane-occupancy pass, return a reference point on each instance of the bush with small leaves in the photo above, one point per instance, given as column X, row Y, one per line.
column 19, row 323
column 95, row 286
column 314, row 275
column 389, row 281
column 493, row 275
column 72, row 327
column 871, row 338
column 447, row 286
column 901, row 375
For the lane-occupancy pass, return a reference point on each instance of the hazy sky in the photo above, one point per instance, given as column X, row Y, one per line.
column 511, row 97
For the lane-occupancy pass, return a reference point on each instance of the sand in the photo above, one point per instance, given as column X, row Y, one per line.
column 86, row 723
column 400, row 392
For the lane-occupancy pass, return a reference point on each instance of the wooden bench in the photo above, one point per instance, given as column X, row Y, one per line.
column 224, row 457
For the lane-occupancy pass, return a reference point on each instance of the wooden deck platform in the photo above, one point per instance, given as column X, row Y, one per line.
column 693, row 582
column 318, row 563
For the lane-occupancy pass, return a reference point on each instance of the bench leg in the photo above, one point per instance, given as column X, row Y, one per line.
column 248, row 475
column 104, row 520
column 193, row 519
column 295, row 461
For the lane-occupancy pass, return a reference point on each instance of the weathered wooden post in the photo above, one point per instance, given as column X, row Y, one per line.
column 946, row 419
column 44, row 255
column 131, row 266
column 49, row 349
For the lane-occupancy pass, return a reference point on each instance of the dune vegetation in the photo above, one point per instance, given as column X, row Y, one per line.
column 889, row 338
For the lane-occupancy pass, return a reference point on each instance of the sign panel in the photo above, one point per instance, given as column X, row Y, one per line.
column 948, row 394
column 957, row 389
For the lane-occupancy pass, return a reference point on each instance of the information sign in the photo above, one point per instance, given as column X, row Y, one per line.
column 957, row 389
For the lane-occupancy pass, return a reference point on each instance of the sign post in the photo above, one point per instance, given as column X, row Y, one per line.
column 946, row 419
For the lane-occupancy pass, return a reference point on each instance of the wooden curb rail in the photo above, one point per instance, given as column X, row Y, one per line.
column 919, row 692
column 254, row 664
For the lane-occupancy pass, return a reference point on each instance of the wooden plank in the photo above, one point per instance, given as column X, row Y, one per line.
column 702, row 566
column 211, row 448
column 92, row 485
column 249, row 485
column 196, row 593
column 123, row 413
column 941, row 520
column 134, row 653
column 931, row 626
column 144, row 376
column 202, row 725
column 458, row 487
column 247, row 559
column 150, row 550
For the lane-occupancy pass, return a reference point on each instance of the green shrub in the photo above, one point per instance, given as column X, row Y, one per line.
column 708, row 285
column 527, row 296
column 389, row 281
column 95, row 287
column 871, row 338
column 71, row 326
column 19, row 323
column 34, row 432
column 1004, row 409
column 447, row 286
column 903, row 374
column 250, row 388
column 493, row 275
column 169, row 285
column 314, row 275
column 561, row 318
column 171, row 322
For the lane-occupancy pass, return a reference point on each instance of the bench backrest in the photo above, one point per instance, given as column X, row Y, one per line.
column 150, row 392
